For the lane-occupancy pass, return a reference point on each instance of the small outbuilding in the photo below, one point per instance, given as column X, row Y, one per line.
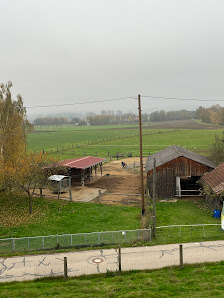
column 213, row 187
column 60, row 183
column 177, row 172
column 81, row 169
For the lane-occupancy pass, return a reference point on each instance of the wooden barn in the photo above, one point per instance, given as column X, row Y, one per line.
column 213, row 187
column 177, row 172
column 81, row 169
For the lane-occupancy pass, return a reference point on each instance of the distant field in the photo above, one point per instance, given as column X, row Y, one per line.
column 71, row 141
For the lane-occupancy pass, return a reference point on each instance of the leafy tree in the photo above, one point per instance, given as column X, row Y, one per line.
column 217, row 150
column 31, row 171
column 13, row 125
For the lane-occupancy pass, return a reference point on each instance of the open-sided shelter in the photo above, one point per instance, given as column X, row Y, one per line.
column 81, row 169
column 177, row 172
column 213, row 187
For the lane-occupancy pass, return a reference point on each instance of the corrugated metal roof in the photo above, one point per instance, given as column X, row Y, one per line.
column 172, row 153
column 215, row 179
column 82, row 163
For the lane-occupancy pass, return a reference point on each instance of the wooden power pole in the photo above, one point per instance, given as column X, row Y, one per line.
column 141, row 161
column 154, row 200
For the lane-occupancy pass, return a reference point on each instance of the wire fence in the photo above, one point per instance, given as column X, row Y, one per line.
column 26, row 244
column 195, row 232
column 109, row 260
column 164, row 234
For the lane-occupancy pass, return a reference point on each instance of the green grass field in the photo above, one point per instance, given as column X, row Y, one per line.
column 52, row 217
column 205, row 280
column 104, row 141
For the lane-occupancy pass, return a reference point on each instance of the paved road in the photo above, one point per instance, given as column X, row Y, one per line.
column 96, row 261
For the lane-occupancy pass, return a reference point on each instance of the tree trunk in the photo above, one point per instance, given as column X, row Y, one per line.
column 30, row 203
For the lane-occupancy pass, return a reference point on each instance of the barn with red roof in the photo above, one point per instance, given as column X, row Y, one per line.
column 81, row 169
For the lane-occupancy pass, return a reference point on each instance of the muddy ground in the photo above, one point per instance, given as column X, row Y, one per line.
column 114, row 180
column 120, row 181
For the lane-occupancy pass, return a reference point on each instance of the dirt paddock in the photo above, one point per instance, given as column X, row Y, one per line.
column 114, row 180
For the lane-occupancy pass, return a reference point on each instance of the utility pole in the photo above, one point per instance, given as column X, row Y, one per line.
column 154, row 199
column 141, row 161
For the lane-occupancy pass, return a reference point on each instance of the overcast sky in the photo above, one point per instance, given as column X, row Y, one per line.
column 67, row 51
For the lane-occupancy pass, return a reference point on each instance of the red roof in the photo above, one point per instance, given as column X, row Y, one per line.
column 82, row 163
column 215, row 179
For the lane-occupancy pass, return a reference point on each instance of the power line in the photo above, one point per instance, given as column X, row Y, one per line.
column 82, row 103
column 178, row 98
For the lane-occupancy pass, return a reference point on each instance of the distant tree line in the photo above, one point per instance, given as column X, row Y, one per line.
column 213, row 115
column 110, row 117
column 171, row 115
column 50, row 121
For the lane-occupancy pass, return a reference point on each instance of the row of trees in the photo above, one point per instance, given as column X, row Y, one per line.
column 110, row 117
column 19, row 170
column 171, row 115
column 50, row 121
column 213, row 115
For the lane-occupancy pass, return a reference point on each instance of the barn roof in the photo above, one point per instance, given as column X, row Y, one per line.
column 173, row 152
column 215, row 179
column 82, row 163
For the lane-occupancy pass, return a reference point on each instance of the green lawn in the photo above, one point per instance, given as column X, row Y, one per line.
column 205, row 280
column 183, row 212
column 52, row 217
column 186, row 213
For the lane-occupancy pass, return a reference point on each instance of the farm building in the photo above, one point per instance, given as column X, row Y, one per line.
column 177, row 172
column 60, row 183
column 213, row 186
column 81, row 169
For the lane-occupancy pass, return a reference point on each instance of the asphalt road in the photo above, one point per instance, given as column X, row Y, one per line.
column 30, row 267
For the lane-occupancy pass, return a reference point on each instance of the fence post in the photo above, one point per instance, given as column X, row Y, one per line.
column 43, row 242
column 98, row 237
column 65, row 268
column 100, row 196
column 13, row 245
column 181, row 256
column 119, row 257
column 28, row 242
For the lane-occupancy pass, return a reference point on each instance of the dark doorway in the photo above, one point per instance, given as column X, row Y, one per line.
column 189, row 186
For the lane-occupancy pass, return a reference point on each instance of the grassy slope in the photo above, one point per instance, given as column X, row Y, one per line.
column 192, row 281
column 57, row 217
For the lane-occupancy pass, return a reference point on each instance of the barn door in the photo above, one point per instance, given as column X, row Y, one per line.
column 178, row 187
